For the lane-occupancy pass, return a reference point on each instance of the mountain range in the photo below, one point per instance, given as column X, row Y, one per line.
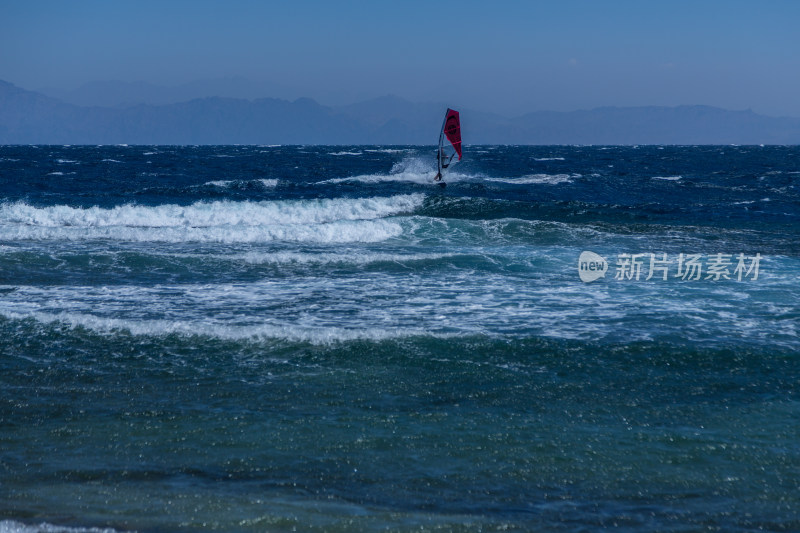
column 28, row 117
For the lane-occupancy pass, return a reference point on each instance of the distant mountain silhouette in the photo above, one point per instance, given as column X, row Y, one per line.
column 27, row 117
column 126, row 94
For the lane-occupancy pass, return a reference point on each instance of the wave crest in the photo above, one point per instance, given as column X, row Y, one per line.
column 322, row 220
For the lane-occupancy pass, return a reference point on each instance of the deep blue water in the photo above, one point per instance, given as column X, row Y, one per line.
column 274, row 338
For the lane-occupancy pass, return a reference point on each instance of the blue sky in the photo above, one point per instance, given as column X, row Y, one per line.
column 507, row 57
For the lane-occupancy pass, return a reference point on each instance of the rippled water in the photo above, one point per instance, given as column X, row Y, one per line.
column 251, row 338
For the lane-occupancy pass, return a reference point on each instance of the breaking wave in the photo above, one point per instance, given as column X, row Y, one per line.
column 538, row 179
column 411, row 170
column 322, row 220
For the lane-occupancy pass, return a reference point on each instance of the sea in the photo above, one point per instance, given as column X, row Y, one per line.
column 321, row 338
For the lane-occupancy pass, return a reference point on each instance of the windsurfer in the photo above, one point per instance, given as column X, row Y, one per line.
column 451, row 130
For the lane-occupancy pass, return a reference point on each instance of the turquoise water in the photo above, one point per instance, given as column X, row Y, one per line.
column 251, row 338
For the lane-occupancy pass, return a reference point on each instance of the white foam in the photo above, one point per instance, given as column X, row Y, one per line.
column 111, row 161
column 269, row 183
column 549, row 159
column 66, row 161
column 265, row 331
column 206, row 214
column 345, row 153
column 330, row 232
column 413, row 170
column 227, row 184
column 323, row 308
column 538, row 179
column 358, row 258
column 325, row 220
column 668, row 178
column 12, row 526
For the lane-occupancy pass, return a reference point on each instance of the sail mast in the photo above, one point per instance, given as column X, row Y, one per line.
column 451, row 130
column 440, row 151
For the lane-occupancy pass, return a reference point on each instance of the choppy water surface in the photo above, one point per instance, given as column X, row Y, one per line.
column 320, row 338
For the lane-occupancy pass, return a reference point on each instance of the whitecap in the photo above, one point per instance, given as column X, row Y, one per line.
column 12, row 526
column 357, row 258
column 538, row 179
column 413, row 170
column 335, row 220
column 218, row 213
column 264, row 331
column 339, row 232
column 228, row 184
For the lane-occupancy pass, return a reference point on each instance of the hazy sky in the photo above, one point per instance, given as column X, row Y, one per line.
column 508, row 57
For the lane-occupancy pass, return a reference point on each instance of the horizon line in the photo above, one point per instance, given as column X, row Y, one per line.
column 366, row 100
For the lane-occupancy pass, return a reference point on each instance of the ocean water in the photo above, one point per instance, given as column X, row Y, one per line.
column 313, row 338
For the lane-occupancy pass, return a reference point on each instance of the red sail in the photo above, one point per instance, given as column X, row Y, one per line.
column 452, row 129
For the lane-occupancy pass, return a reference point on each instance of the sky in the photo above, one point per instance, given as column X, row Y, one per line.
column 506, row 57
